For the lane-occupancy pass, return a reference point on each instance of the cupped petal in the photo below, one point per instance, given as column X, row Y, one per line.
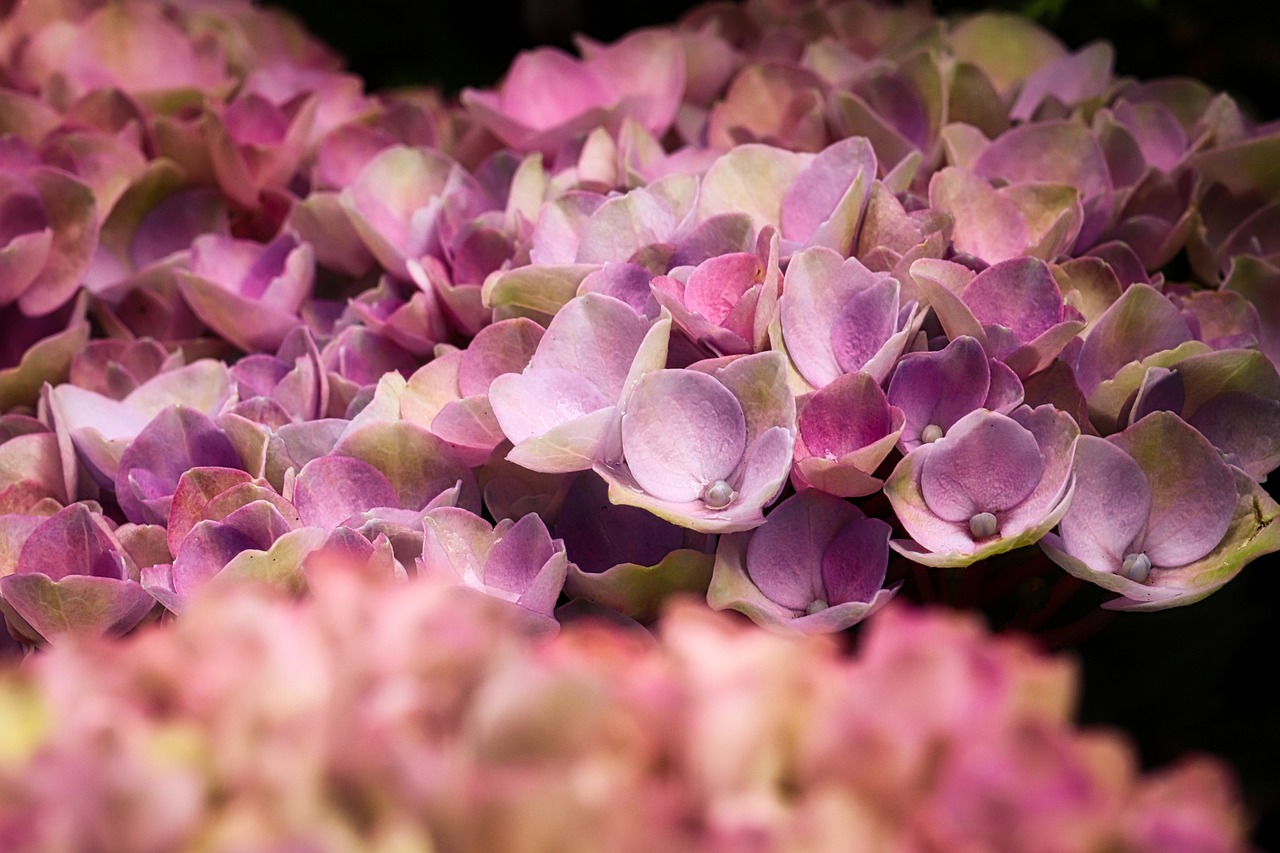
column 646, row 71
column 75, row 541
column 784, row 556
column 1138, row 324
column 204, row 551
column 575, row 445
column 196, row 487
column 1192, row 502
column 1019, row 294
column 542, row 89
column 77, row 604
column 176, row 440
column 816, row 280
column 682, row 431
column 1245, row 426
column 731, row 589
column 864, row 323
column 418, row 466
column 503, row 347
column 751, row 179
column 837, row 181
column 517, row 558
column 847, row 415
column 988, row 224
column 390, row 200
column 1253, row 533
column 939, row 388
column 1055, row 433
column 717, row 285
column 855, row 561
column 529, row 405
column 593, row 335
column 986, row 463
column 1110, row 507
column 331, row 489
column 279, row 566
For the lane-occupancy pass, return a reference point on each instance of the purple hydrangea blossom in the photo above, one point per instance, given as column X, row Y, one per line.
column 991, row 484
column 816, row 565
column 1160, row 535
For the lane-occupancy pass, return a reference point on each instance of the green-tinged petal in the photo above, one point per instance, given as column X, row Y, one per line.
column 731, row 589
column 47, row 361
column 750, row 179
column 280, row 565
column 76, row 604
column 1254, row 531
column 536, row 292
column 639, row 591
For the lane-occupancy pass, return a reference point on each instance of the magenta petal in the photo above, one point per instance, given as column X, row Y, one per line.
column 593, row 335
column 865, row 322
column 818, row 189
column 682, row 431
column 716, row 286
column 178, row 439
column 331, row 489
column 419, row 466
column 1141, row 322
column 531, row 404
column 1192, row 502
column 503, row 347
column 194, row 491
column 785, row 554
column 72, row 542
column 846, row 415
column 1110, row 507
column 855, row 561
column 515, row 558
column 205, row 551
column 1244, row 425
column 623, row 281
column 939, row 388
column 988, row 224
column 545, row 87
column 1019, row 294
column 76, row 603
column 259, row 520
column 158, row 581
column 986, row 463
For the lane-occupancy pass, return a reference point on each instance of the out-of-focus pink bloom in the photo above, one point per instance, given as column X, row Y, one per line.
column 549, row 97
column 249, row 293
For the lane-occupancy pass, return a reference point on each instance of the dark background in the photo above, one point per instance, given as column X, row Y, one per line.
column 456, row 44
column 1194, row 679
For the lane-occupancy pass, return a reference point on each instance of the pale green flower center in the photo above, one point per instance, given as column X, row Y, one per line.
column 983, row 525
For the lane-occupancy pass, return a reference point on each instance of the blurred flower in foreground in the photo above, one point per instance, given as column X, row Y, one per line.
column 261, row 722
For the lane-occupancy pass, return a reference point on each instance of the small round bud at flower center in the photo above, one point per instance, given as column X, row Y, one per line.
column 816, row 606
column 1136, row 567
column 718, row 495
column 983, row 525
column 930, row 434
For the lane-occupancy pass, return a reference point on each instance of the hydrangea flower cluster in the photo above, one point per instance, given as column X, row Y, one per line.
column 670, row 314
column 238, row 728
